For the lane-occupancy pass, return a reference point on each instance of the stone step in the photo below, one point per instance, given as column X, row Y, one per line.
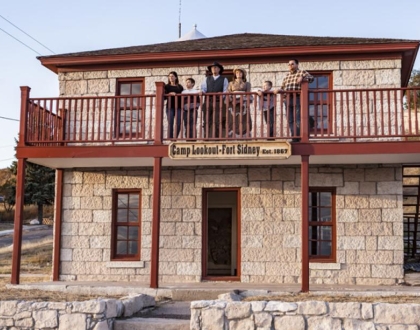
column 139, row 323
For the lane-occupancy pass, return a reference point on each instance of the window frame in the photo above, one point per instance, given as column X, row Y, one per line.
column 141, row 108
column 115, row 224
column 328, row 102
column 333, row 224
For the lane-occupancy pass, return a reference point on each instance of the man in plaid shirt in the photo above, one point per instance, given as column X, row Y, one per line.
column 292, row 82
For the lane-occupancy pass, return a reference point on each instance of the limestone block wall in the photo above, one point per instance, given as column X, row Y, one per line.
column 277, row 315
column 369, row 224
column 345, row 75
column 86, row 226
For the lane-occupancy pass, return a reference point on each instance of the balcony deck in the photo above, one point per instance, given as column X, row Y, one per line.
column 337, row 126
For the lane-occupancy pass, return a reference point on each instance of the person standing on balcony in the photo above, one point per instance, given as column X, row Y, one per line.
column 215, row 106
column 173, row 104
column 240, row 122
column 266, row 104
column 292, row 82
column 191, row 104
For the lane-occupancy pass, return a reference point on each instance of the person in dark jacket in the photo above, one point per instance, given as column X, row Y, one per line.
column 173, row 104
column 214, row 109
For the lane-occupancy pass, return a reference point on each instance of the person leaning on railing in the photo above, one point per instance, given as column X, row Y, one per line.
column 214, row 84
column 266, row 104
column 292, row 82
column 191, row 104
column 173, row 104
column 240, row 123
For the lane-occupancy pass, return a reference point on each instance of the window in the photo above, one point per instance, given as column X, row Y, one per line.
column 322, row 235
column 130, row 109
column 126, row 225
column 319, row 102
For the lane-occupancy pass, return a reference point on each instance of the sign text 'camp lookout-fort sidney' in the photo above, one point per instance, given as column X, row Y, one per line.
column 155, row 187
column 252, row 150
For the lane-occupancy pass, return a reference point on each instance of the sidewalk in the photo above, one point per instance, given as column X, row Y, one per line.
column 210, row 290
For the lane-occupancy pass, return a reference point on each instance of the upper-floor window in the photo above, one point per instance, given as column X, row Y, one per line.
column 126, row 225
column 320, row 102
column 130, row 109
column 322, row 232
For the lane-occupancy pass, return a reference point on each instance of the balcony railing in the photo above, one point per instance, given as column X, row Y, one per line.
column 337, row 115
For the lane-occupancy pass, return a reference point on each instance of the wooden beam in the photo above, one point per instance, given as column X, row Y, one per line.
column 157, row 179
column 57, row 223
column 24, row 101
column 17, row 234
column 160, row 91
column 305, row 223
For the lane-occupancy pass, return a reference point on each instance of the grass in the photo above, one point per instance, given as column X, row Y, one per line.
column 36, row 266
column 40, row 295
column 29, row 212
column 36, row 258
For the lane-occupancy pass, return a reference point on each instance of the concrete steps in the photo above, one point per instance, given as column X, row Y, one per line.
column 167, row 315
column 140, row 323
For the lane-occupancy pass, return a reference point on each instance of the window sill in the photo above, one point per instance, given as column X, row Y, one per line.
column 125, row 264
column 324, row 265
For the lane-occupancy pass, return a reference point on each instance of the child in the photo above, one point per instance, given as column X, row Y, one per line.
column 191, row 104
column 266, row 102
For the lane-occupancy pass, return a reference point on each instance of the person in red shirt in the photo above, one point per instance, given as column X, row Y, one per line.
column 292, row 83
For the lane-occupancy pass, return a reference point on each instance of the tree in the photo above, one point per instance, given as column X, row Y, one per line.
column 8, row 191
column 413, row 96
column 39, row 186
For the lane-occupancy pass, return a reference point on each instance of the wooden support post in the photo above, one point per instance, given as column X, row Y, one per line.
column 160, row 92
column 17, row 234
column 57, row 223
column 24, row 101
column 305, row 222
column 304, row 112
column 157, row 178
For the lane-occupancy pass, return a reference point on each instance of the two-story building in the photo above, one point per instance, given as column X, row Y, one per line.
column 134, row 205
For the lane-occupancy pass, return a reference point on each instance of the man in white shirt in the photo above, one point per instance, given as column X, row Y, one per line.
column 191, row 104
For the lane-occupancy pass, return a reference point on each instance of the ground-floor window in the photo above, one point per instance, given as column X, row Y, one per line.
column 126, row 224
column 322, row 219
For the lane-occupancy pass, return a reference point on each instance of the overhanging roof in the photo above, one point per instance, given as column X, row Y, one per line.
column 239, row 46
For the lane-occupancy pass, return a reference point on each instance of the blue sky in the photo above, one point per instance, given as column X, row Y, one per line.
column 78, row 25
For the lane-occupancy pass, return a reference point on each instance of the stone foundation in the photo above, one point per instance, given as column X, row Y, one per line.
column 308, row 315
column 90, row 315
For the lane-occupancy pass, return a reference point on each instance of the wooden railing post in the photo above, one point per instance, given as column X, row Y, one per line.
column 160, row 91
column 17, row 234
column 305, row 222
column 157, row 180
column 24, row 99
column 304, row 112
column 57, row 223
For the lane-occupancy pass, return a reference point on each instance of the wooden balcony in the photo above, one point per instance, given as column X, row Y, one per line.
column 333, row 122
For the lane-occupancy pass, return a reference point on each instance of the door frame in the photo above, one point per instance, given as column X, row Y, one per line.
column 205, row 236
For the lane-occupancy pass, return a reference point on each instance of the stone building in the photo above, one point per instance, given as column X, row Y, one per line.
column 328, row 212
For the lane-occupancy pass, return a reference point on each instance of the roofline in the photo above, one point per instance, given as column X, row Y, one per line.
column 407, row 49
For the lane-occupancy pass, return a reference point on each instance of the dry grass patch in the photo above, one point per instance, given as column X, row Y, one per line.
column 36, row 258
column 337, row 298
column 37, row 261
column 6, row 225
column 40, row 295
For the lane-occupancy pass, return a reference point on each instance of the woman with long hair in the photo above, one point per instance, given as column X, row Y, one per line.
column 240, row 123
column 173, row 104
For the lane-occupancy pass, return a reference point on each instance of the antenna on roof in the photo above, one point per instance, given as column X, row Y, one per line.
column 179, row 24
